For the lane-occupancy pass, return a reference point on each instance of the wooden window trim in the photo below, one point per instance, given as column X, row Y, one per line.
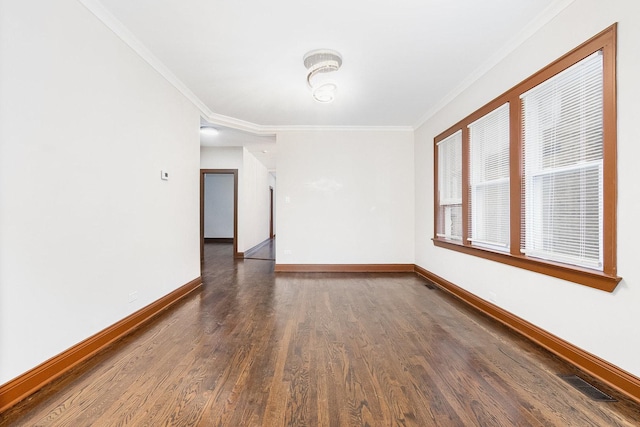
column 605, row 280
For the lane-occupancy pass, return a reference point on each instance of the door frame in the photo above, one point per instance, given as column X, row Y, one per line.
column 271, row 235
column 233, row 172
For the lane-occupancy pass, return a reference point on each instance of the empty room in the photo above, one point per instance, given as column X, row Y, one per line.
column 338, row 213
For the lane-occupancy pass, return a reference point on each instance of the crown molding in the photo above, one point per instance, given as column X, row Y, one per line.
column 262, row 130
column 345, row 128
column 528, row 30
column 118, row 28
column 241, row 125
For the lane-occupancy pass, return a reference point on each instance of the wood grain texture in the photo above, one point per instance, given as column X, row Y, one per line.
column 310, row 349
column 343, row 268
column 602, row 370
column 31, row 381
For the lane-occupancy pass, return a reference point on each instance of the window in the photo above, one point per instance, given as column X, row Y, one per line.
column 489, row 180
column 530, row 178
column 450, row 187
column 562, row 142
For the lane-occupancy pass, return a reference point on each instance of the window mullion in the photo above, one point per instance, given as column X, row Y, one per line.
column 466, row 207
column 489, row 178
column 554, row 192
column 515, row 172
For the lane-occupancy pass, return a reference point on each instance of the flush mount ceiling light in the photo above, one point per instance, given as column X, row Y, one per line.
column 208, row 130
column 319, row 63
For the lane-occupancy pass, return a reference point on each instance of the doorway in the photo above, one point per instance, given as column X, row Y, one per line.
column 203, row 175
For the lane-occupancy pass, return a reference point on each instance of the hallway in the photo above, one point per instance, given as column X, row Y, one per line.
column 264, row 251
column 305, row 349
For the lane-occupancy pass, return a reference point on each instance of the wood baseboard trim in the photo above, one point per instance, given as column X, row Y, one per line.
column 604, row 371
column 344, row 268
column 31, row 381
column 238, row 255
column 218, row 239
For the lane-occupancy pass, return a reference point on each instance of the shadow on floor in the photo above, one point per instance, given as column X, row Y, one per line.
column 264, row 251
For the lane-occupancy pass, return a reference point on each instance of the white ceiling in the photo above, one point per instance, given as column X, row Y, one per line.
column 241, row 61
column 263, row 147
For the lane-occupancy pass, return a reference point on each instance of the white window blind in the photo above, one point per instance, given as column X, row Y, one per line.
column 450, row 187
column 562, row 151
column 489, row 179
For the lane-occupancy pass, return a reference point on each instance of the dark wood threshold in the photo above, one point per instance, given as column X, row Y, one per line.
column 218, row 239
column 604, row 371
column 31, row 381
column 344, row 268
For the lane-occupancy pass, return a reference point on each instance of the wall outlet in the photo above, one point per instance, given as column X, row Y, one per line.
column 133, row 296
column 287, row 252
column 164, row 175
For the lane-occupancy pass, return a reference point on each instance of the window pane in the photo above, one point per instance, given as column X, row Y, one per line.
column 564, row 224
column 489, row 176
column 450, row 187
column 451, row 216
column 563, row 146
column 490, row 219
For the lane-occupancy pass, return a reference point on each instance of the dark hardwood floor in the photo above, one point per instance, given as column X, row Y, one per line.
column 265, row 251
column 304, row 349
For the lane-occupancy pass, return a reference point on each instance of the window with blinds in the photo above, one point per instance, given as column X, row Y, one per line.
column 489, row 179
column 562, row 149
column 530, row 178
column 450, row 187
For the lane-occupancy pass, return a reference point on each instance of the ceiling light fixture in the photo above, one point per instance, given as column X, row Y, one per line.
column 319, row 63
column 208, row 130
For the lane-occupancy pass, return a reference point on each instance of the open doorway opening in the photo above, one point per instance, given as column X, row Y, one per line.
column 212, row 221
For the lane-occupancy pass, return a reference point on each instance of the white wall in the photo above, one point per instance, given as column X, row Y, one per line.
column 604, row 324
column 218, row 205
column 255, row 201
column 221, row 158
column 345, row 197
column 253, row 191
column 85, row 128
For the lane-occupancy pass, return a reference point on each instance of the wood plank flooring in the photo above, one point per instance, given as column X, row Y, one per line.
column 310, row 349
column 265, row 251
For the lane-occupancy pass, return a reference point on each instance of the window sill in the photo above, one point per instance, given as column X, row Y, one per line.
column 583, row 276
